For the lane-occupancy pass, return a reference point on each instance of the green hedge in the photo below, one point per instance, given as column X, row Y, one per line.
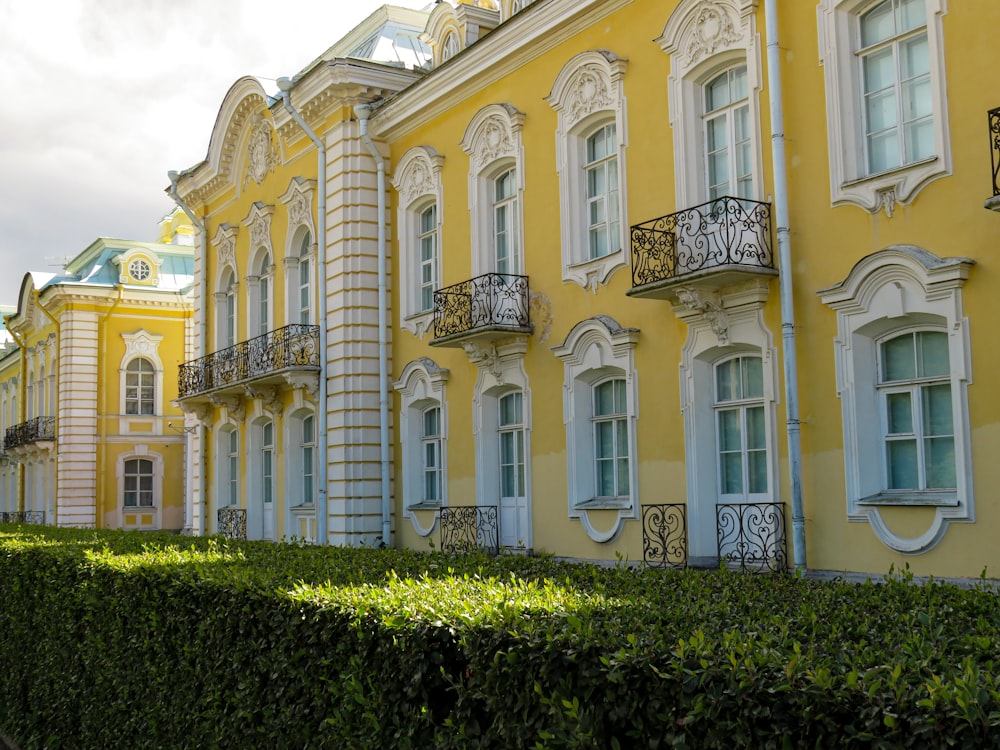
column 118, row 640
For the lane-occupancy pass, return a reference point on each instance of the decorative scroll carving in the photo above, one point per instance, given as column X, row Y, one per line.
column 710, row 307
column 233, row 403
column 259, row 222
column 493, row 134
column 484, row 356
column 298, row 200
column 225, row 244
column 714, row 29
column 262, row 151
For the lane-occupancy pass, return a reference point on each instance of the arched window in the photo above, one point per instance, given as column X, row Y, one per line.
column 138, row 483
column 140, row 387
column 226, row 310
column 264, row 295
column 450, row 46
column 601, row 177
column 305, row 281
column 727, row 140
column 506, row 216
column 741, row 429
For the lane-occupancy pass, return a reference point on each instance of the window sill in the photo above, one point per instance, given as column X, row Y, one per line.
column 303, row 509
column 424, row 506
column 605, row 503
column 916, row 499
column 889, row 173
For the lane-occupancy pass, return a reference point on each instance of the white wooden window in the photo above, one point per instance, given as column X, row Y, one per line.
column 427, row 242
column 728, row 141
column 506, row 241
column 603, row 189
column 510, row 429
column 140, row 387
column 741, row 429
column 611, row 439
column 138, row 483
column 430, row 443
column 305, row 281
column 307, row 450
column 233, row 468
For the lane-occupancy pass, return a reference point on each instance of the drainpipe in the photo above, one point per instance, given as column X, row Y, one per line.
column 790, row 358
column 363, row 112
column 202, row 346
column 285, row 91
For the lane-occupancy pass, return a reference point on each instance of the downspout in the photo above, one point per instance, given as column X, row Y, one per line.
column 102, row 407
column 202, row 344
column 284, row 90
column 781, row 213
column 22, row 407
column 59, row 341
column 363, row 112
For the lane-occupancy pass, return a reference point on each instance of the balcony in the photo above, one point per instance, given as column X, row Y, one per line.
column 466, row 528
column 710, row 245
column 749, row 536
column 275, row 358
column 232, row 523
column 39, row 432
column 35, row 517
column 483, row 309
column 993, row 119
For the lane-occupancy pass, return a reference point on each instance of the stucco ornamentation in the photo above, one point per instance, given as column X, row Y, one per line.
column 262, row 152
column 225, row 244
column 591, row 92
column 710, row 307
column 713, row 29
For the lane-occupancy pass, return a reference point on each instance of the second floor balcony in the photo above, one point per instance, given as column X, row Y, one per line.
column 266, row 359
column 30, row 433
column 715, row 243
column 488, row 307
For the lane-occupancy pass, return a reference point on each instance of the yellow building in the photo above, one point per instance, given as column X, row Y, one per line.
column 87, row 377
column 286, row 299
column 670, row 287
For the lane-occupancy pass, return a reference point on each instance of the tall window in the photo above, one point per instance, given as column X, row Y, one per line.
column 741, row 427
column 430, row 438
column 601, row 169
column 507, row 252
column 728, row 154
column 611, row 459
column 267, row 462
column 233, row 468
column 264, row 296
column 305, row 281
column 308, row 448
column 427, row 240
column 228, row 322
column 510, row 427
column 140, row 387
column 138, row 485
column 918, row 426
column 896, row 84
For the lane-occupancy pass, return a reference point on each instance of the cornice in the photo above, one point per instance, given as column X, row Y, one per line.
column 504, row 50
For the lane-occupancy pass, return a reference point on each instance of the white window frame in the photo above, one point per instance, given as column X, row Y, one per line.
column 850, row 180
column 261, row 295
column 492, row 141
column 741, row 405
column 430, row 444
column 227, row 482
column 421, row 385
column 417, row 180
column 140, row 344
column 227, row 309
column 133, row 371
column 597, row 349
column 889, row 292
column 138, row 475
column 618, row 451
column 587, row 95
column 156, row 509
column 608, row 198
column 729, row 111
column 301, row 248
column 703, row 40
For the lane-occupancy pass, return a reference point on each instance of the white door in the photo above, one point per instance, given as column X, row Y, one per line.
column 514, row 520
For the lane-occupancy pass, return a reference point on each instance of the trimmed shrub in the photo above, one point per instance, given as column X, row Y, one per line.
column 128, row 640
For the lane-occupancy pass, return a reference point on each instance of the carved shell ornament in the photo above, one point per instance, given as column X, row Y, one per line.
column 590, row 94
column 262, row 153
column 713, row 29
column 494, row 141
column 417, row 181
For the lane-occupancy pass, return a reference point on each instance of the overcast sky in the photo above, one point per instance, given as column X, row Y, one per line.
column 101, row 98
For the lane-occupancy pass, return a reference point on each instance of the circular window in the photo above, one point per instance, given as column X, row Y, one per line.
column 139, row 270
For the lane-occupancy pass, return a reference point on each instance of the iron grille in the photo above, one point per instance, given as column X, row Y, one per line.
column 994, row 124
column 33, row 431
column 493, row 300
column 465, row 528
column 722, row 232
column 664, row 535
column 233, row 523
column 291, row 346
column 752, row 535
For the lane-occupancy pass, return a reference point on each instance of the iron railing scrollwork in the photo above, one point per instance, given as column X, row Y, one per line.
column 994, row 125
column 664, row 535
column 493, row 300
column 752, row 535
column 723, row 232
column 291, row 346
column 466, row 528
column 232, row 523
column 34, row 430
column 36, row 517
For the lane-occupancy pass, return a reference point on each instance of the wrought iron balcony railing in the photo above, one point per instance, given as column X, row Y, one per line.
column 35, row 430
column 489, row 302
column 664, row 535
column 752, row 535
column 294, row 346
column 465, row 528
column 994, row 124
column 722, row 232
column 36, row 517
column 232, row 523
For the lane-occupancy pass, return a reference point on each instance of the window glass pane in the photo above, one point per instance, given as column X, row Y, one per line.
column 731, row 465
column 899, row 413
column 717, row 92
column 730, row 438
column 431, row 422
column 727, row 381
column 902, row 458
column 880, row 111
column 604, row 434
column 753, row 377
column 939, row 453
column 877, row 24
column 898, row 359
column 605, row 478
column 910, row 14
column 623, row 485
column 937, row 410
column 510, row 409
column 604, row 399
column 621, row 438
column 883, row 151
column 739, row 83
column 307, row 430
column 756, row 433
column 919, row 140
column 932, row 349
column 619, row 389
column 914, row 57
column 757, row 470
